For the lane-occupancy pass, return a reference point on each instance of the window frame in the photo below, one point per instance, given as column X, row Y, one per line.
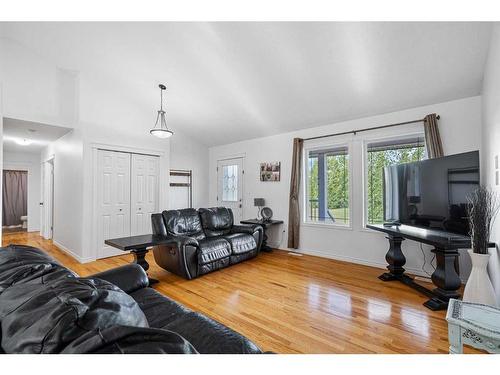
column 305, row 186
column 366, row 142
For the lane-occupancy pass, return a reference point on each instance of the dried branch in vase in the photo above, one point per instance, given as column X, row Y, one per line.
column 482, row 209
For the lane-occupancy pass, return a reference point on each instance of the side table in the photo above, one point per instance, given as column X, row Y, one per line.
column 264, row 224
column 473, row 324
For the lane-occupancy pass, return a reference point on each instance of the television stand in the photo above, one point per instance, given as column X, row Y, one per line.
column 445, row 277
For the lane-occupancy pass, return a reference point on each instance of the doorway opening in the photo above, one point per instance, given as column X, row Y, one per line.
column 28, row 176
column 15, row 200
column 47, row 205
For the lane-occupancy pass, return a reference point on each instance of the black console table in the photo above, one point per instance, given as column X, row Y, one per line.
column 446, row 246
column 264, row 224
column 139, row 246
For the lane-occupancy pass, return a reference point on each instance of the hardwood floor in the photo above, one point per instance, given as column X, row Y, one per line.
column 295, row 304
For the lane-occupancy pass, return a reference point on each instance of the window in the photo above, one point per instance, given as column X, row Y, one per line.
column 230, row 183
column 382, row 154
column 327, row 190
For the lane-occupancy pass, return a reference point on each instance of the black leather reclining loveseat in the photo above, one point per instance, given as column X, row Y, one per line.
column 203, row 240
column 46, row 308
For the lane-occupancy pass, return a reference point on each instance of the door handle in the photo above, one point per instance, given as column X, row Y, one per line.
column 120, row 209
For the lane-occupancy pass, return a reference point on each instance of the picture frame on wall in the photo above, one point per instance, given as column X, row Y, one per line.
column 270, row 171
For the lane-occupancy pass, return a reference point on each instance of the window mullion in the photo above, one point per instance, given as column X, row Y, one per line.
column 321, row 185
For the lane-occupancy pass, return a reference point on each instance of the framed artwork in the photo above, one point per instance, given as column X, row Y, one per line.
column 270, row 171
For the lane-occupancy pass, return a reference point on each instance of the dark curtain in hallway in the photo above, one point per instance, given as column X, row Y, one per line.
column 15, row 197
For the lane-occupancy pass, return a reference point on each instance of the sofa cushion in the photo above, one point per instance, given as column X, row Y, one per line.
column 216, row 221
column 21, row 264
column 130, row 340
column 213, row 249
column 241, row 242
column 159, row 310
column 209, row 336
column 237, row 258
column 185, row 222
column 45, row 318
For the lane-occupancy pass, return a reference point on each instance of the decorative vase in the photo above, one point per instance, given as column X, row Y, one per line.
column 479, row 288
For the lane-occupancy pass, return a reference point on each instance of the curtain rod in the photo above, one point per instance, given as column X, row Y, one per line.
column 367, row 129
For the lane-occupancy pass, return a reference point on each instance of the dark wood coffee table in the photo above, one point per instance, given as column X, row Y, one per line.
column 264, row 224
column 139, row 246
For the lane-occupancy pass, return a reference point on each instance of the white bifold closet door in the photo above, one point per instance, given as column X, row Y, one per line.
column 113, row 199
column 144, row 192
column 127, row 195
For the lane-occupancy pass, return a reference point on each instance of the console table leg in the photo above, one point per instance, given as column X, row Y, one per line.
column 445, row 277
column 395, row 258
column 140, row 259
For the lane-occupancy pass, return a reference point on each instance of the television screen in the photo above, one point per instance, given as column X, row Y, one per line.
column 432, row 193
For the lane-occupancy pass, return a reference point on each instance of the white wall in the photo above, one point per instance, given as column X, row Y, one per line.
column 460, row 127
column 34, row 88
column 31, row 163
column 68, row 191
column 188, row 154
column 491, row 141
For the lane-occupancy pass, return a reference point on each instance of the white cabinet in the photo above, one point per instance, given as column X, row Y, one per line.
column 127, row 195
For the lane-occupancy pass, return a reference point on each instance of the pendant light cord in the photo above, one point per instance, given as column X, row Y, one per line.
column 161, row 99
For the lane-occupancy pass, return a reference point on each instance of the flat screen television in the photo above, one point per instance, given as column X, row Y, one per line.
column 432, row 193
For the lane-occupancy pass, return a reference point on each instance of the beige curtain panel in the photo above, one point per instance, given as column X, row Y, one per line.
column 294, row 209
column 432, row 137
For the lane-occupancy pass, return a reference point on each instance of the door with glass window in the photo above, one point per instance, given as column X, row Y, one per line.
column 229, row 186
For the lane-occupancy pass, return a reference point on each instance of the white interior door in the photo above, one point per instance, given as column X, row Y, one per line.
column 144, row 192
column 48, row 200
column 229, row 186
column 113, row 197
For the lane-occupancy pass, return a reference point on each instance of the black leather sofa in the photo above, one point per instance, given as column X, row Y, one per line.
column 46, row 308
column 203, row 240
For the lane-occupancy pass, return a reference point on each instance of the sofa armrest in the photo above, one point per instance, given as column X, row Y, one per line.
column 179, row 255
column 180, row 241
column 246, row 228
column 128, row 278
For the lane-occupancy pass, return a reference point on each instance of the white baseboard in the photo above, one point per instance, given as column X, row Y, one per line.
column 322, row 254
column 71, row 253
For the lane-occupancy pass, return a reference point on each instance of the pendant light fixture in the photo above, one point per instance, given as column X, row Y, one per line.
column 160, row 129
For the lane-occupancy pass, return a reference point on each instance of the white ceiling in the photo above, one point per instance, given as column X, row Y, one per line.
column 40, row 135
column 233, row 81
